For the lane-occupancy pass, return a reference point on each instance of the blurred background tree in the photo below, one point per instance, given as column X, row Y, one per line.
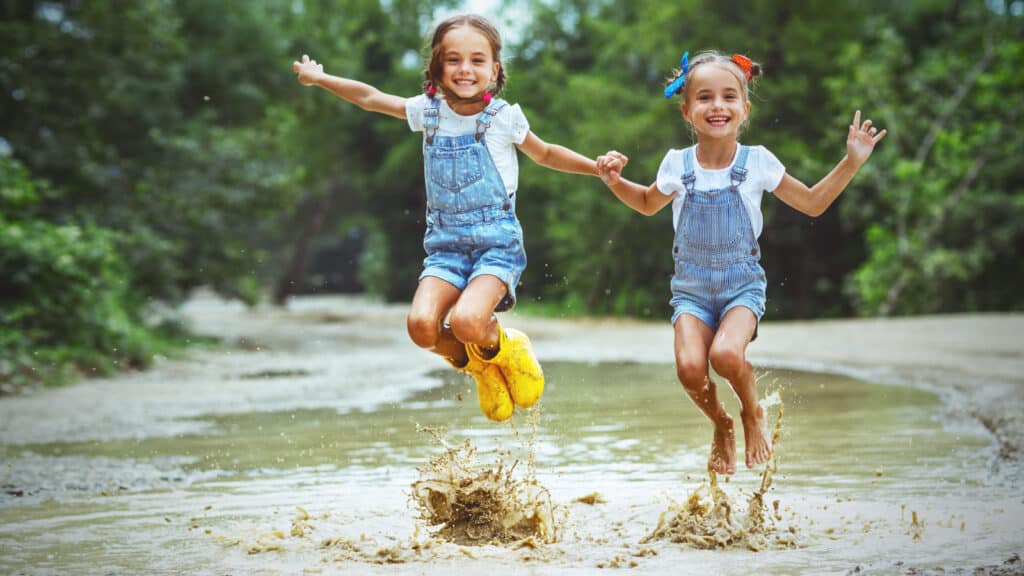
column 150, row 147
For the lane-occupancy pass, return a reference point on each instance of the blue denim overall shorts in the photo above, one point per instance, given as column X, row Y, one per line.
column 472, row 227
column 716, row 255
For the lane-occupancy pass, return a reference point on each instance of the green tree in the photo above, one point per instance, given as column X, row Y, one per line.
column 944, row 219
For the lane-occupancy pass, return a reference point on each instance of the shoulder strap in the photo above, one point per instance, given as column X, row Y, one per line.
column 739, row 167
column 483, row 122
column 431, row 118
column 688, row 176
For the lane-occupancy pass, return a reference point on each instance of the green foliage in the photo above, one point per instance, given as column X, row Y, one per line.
column 64, row 290
column 182, row 153
column 946, row 207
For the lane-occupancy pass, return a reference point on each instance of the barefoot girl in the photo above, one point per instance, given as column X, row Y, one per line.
column 718, row 287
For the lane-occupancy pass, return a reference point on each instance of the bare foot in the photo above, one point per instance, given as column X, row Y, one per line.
column 755, row 435
column 723, row 447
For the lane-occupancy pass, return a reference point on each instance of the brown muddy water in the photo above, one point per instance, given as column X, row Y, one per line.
column 274, row 464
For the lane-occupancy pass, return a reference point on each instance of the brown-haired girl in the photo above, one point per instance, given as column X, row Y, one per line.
column 473, row 241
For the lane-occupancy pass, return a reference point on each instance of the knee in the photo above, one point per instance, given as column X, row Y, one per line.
column 727, row 361
column 692, row 373
column 424, row 330
column 470, row 327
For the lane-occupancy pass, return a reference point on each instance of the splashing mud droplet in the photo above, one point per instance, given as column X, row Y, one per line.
column 707, row 519
column 475, row 504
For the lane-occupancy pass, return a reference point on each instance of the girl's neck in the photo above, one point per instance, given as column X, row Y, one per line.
column 466, row 107
column 716, row 153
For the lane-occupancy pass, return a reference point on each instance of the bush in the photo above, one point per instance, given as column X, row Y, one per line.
column 64, row 300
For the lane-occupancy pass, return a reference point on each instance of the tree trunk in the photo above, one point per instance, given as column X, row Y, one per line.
column 314, row 218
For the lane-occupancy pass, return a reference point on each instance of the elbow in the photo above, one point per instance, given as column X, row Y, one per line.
column 812, row 209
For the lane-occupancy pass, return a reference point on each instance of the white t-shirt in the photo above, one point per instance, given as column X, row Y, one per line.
column 508, row 128
column 764, row 173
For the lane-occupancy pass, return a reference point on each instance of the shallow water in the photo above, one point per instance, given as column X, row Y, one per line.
column 326, row 490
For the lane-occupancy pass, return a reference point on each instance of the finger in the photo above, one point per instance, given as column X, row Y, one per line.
column 856, row 118
column 305, row 58
column 879, row 136
column 295, row 66
column 866, row 125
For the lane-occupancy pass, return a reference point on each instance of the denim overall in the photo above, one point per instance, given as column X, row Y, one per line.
column 472, row 227
column 715, row 252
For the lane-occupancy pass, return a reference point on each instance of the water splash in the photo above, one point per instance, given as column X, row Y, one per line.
column 708, row 519
column 475, row 504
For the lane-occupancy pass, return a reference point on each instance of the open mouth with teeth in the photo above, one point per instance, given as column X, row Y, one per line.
column 718, row 121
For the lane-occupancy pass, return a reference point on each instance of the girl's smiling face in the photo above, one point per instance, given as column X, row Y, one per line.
column 716, row 104
column 469, row 65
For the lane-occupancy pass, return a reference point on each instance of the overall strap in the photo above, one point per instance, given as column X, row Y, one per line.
column 431, row 118
column 739, row 167
column 688, row 176
column 483, row 122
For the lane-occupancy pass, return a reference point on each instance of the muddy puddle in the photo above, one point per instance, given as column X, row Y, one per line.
column 866, row 476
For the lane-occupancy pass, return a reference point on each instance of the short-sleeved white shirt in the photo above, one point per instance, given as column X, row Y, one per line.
column 508, row 128
column 764, row 173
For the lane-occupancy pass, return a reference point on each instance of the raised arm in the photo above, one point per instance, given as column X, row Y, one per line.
column 311, row 73
column 557, row 157
column 860, row 142
column 647, row 200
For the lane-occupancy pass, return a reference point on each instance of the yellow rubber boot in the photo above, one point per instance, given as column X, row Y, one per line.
column 491, row 388
column 518, row 364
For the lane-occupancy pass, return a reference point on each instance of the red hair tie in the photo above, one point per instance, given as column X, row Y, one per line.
column 744, row 63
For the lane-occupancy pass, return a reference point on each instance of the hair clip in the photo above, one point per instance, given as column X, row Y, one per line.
column 744, row 63
column 487, row 98
column 431, row 91
column 677, row 84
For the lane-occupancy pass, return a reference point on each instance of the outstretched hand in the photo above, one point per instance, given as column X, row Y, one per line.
column 610, row 165
column 861, row 139
column 309, row 71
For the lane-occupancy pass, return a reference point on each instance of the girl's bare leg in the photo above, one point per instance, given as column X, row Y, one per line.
column 729, row 359
column 433, row 298
column 472, row 318
column 693, row 339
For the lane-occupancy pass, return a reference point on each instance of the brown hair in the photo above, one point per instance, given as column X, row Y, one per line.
column 435, row 66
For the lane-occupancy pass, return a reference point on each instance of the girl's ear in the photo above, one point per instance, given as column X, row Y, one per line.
column 685, row 110
column 495, row 71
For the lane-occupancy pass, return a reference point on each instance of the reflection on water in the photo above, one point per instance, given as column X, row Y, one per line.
column 856, row 461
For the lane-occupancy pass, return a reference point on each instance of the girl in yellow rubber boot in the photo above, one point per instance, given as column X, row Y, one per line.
column 474, row 242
